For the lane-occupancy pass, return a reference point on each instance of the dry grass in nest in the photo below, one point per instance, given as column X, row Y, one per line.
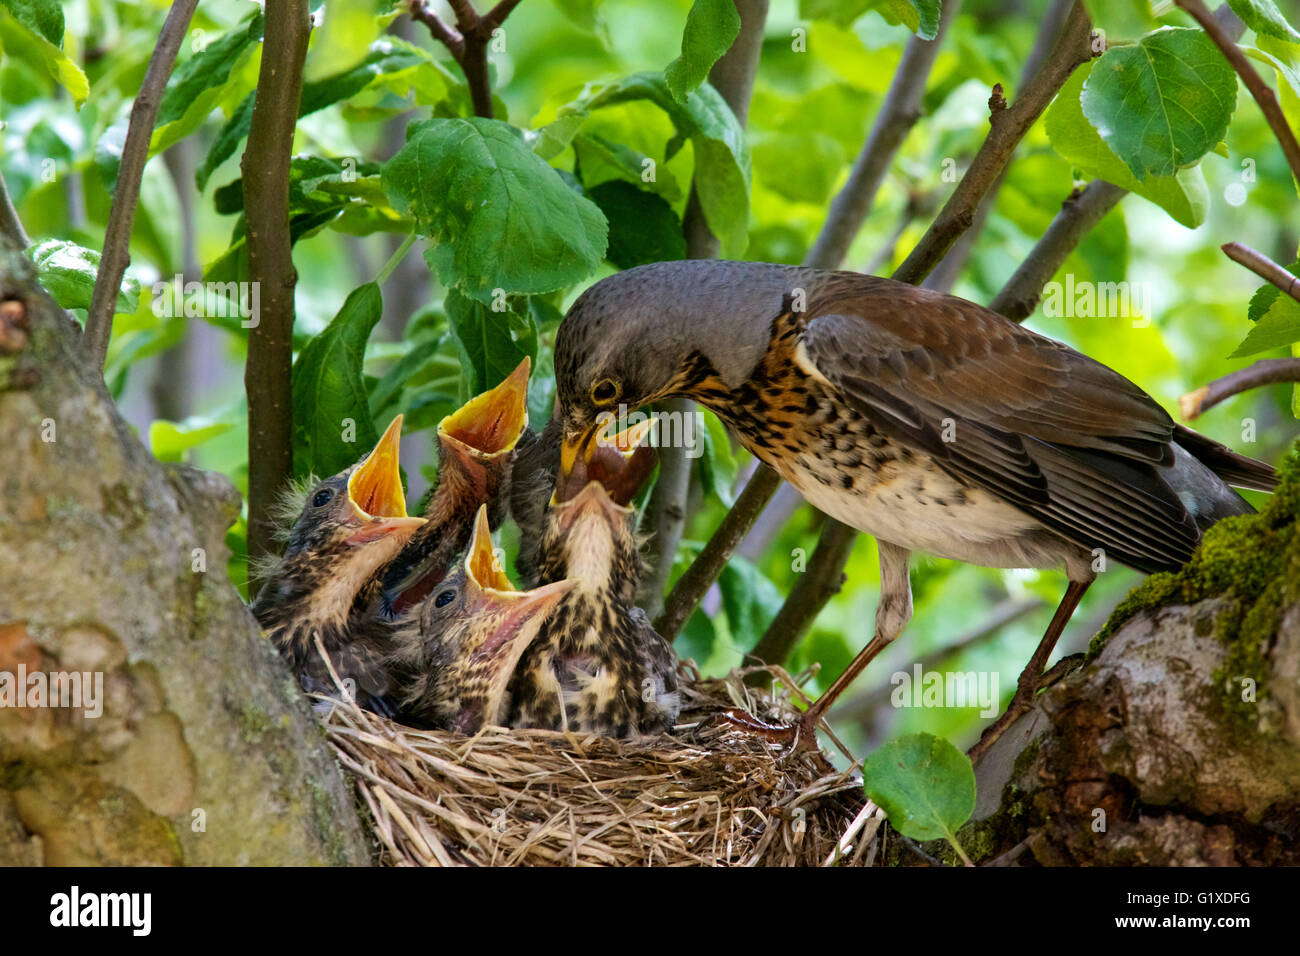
column 709, row 795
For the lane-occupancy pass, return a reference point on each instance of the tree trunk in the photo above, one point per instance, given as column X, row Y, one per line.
column 1177, row 742
column 114, row 565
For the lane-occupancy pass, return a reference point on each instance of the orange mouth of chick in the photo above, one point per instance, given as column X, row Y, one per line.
column 490, row 424
column 375, row 489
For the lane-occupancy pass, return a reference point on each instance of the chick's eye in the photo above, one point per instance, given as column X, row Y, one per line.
column 322, row 497
column 604, row 391
column 445, row 598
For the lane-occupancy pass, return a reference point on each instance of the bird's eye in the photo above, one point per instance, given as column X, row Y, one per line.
column 605, row 391
column 445, row 598
column 322, row 498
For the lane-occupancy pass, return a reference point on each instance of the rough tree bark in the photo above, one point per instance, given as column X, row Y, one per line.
column 1176, row 740
column 97, row 574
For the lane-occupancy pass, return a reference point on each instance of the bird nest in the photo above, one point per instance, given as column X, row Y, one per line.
column 711, row 794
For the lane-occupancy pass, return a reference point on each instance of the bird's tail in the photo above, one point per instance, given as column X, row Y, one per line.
column 1237, row 470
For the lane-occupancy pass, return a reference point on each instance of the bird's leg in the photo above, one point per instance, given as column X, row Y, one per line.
column 892, row 614
column 1027, row 685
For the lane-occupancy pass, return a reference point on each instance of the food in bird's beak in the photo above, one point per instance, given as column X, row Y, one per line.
column 375, row 490
column 489, row 425
column 616, row 464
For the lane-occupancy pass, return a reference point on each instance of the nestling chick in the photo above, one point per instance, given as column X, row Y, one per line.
column 476, row 448
column 456, row 650
column 350, row 526
column 598, row 666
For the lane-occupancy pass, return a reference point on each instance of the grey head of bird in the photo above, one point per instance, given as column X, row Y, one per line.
column 628, row 340
column 589, row 533
column 347, row 527
column 476, row 448
column 456, row 651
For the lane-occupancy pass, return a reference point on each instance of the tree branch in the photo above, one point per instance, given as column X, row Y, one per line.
column 1008, row 126
column 1260, row 90
column 898, row 114
column 1079, row 213
column 116, row 255
column 1263, row 372
column 733, row 77
column 1264, row 267
column 265, row 168
column 10, row 224
column 467, row 42
column 945, row 274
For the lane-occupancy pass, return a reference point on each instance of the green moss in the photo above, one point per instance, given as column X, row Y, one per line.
column 1252, row 559
column 253, row 723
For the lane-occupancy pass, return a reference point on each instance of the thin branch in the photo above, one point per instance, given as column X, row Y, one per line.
column 1008, row 126
column 704, row 570
column 446, row 35
column 1263, row 372
column 733, row 77
column 1079, row 213
column 265, row 168
column 467, row 42
column 116, row 255
column 898, row 114
column 1264, row 267
column 945, row 274
column 10, row 224
column 1260, row 90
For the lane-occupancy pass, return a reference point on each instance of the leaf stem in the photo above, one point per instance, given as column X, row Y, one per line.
column 396, row 258
column 116, row 255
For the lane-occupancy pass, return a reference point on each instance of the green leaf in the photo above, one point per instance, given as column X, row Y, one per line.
column 1276, row 317
column 1265, row 18
column 390, row 385
column 388, row 55
column 17, row 34
column 500, row 218
column 171, row 440
column 485, row 338
column 642, row 227
column 801, row 167
column 328, row 390
column 711, row 28
column 919, row 16
column 42, row 17
column 925, row 785
column 718, row 463
column 721, row 156
column 199, row 84
column 67, row 271
column 1163, row 103
column 599, row 160
column 1184, row 195
column 749, row 599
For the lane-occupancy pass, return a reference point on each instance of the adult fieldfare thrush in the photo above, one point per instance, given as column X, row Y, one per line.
column 598, row 665
column 923, row 419
column 349, row 526
column 455, row 652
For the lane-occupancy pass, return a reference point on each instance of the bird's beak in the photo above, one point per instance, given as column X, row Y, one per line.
column 481, row 558
column 619, row 463
column 515, row 618
column 375, row 490
column 489, row 425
